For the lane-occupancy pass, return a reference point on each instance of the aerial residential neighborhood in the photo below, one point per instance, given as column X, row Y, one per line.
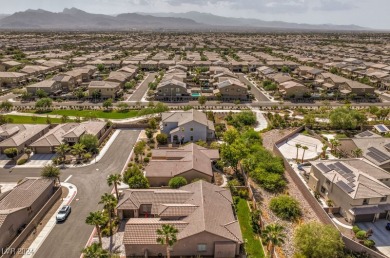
column 178, row 129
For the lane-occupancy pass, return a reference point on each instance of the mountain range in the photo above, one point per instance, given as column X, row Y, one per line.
column 75, row 19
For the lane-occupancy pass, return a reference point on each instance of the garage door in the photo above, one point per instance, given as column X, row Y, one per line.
column 43, row 150
column 364, row 218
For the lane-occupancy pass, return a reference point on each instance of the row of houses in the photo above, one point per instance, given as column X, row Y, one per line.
column 43, row 139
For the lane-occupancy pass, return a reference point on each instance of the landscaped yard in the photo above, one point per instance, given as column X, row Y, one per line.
column 253, row 246
column 31, row 120
column 94, row 113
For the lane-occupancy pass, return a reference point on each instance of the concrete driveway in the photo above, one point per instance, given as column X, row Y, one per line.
column 381, row 236
column 39, row 160
column 4, row 160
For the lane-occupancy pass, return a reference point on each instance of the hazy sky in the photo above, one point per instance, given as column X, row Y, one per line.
column 367, row 13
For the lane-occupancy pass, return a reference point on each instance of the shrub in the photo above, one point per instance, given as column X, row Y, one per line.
column 285, row 207
column 162, row 138
column 355, row 229
column 177, row 182
column 361, row 235
column 269, row 181
column 22, row 161
column 11, row 153
column 243, row 194
column 369, row 243
column 146, row 159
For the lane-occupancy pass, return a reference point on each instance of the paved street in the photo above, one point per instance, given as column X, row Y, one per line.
column 255, row 91
column 68, row 239
column 142, row 89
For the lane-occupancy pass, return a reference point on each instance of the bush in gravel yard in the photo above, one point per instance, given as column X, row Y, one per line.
column 269, row 181
column 361, row 235
column 22, row 161
column 369, row 243
column 355, row 229
column 11, row 153
column 177, row 182
column 285, row 207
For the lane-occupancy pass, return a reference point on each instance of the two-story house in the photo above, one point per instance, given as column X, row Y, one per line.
column 187, row 126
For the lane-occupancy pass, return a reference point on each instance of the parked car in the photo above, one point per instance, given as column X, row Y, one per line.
column 63, row 213
column 388, row 226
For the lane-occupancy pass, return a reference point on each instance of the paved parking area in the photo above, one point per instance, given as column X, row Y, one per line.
column 3, row 160
column 381, row 236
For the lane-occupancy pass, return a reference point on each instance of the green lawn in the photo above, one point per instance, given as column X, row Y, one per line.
column 94, row 113
column 31, row 120
column 253, row 246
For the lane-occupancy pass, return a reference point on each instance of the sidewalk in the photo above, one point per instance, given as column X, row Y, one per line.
column 52, row 221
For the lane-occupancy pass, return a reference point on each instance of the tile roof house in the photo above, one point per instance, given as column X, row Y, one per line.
column 107, row 89
column 374, row 149
column 190, row 161
column 355, row 186
column 67, row 133
column 195, row 210
column 51, row 87
column 187, row 126
column 171, row 90
column 11, row 79
column 20, row 136
column 232, row 89
column 21, row 204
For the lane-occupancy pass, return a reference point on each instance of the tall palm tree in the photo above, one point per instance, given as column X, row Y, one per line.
column 95, row 250
column 357, row 152
column 273, row 235
column 109, row 202
column 78, row 149
column 97, row 219
column 61, row 150
column 52, row 172
column 298, row 146
column 305, row 148
column 167, row 237
column 114, row 179
column 324, row 148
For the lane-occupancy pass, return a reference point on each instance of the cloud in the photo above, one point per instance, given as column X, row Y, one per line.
column 262, row 6
column 335, row 5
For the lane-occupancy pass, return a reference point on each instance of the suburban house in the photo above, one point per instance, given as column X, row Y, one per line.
column 171, row 90
column 119, row 77
column 355, row 187
column 354, row 87
column 68, row 82
column 231, row 89
column 20, row 205
column 202, row 213
column 51, row 87
column 67, row 133
column 106, row 89
column 11, row 79
column 374, row 149
column 293, row 89
column 20, row 136
column 187, row 126
column 189, row 161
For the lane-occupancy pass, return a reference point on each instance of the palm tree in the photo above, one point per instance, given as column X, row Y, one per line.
column 95, row 250
column 78, row 149
column 329, row 202
column 303, row 154
column 167, row 236
column 324, row 148
column 335, row 143
column 109, row 202
column 114, row 179
column 97, row 219
column 357, row 152
column 61, row 150
column 298, row 146
column 273, row 235
column 52, row 172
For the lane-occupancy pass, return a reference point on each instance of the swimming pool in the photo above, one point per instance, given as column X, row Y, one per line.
column 195, row 94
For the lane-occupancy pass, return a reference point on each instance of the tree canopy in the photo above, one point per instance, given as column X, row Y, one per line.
column 347, row 118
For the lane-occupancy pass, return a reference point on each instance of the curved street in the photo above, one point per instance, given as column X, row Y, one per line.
column 67, row 240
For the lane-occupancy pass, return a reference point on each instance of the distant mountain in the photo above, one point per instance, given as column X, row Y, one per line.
column 215, row 20
column 3, row 16
column 75, row 19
